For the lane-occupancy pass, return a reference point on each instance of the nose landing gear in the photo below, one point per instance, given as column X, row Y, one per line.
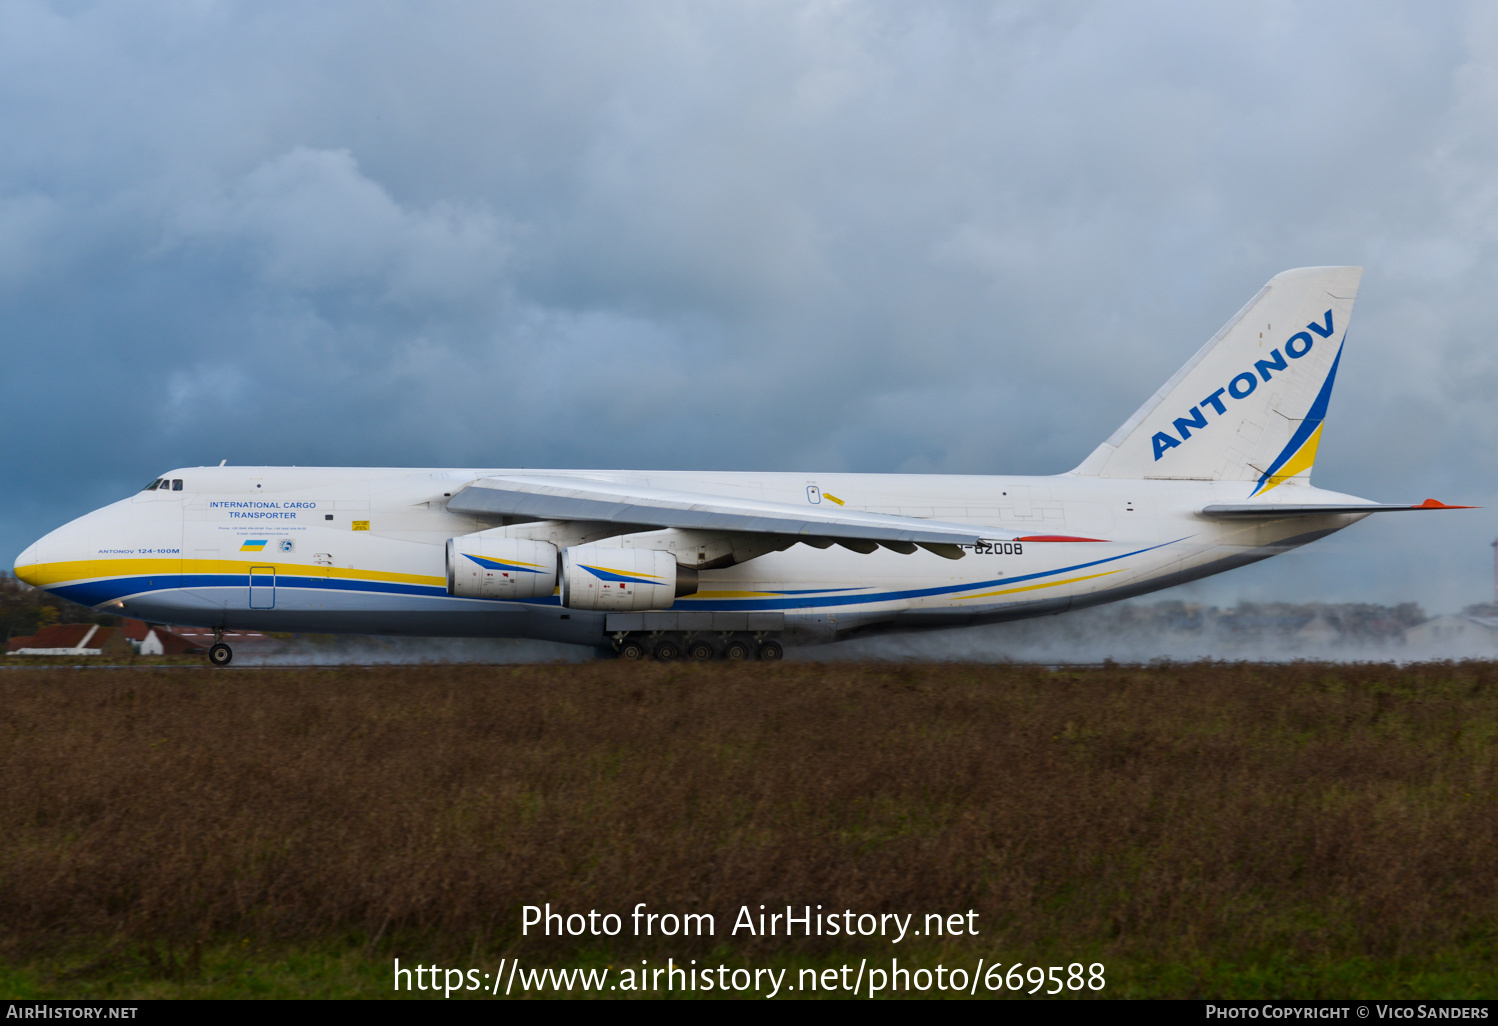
column 219, row 654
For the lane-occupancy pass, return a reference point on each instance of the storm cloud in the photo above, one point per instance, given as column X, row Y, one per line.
column 964, row 237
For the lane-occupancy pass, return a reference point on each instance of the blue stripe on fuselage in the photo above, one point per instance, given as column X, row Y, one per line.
column 725, row 605
column 93, row 593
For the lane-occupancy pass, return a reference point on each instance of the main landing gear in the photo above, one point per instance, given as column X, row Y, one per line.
column 669, row 646
column 219, row 654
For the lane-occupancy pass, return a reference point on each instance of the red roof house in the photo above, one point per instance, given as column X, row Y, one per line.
column 72, row 639
column 153, row 639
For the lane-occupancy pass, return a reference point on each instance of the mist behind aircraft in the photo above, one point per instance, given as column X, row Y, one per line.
column 1130, row 632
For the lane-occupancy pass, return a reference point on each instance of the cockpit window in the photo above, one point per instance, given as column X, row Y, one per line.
column 176, row 484
column 152, row 486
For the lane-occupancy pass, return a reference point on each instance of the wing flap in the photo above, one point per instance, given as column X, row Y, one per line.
column 561, row 498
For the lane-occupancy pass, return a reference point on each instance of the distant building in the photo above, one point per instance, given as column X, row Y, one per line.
column 1319, row 631
column 72, row 639
column 131, row 637
column 155, row 640
column 1455, row 634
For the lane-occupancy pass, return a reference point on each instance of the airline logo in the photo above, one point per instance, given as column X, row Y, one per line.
column 1242, row 386
column 606, row 573
column 1300, row 452
column 254, row 545
column 490, row 563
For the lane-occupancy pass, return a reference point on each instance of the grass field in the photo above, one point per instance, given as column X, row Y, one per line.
column 1201, row 829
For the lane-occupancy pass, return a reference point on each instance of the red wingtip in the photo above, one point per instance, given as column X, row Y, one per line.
column 1433, row 504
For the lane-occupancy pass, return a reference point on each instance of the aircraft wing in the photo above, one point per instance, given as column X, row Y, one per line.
column 1274, row 511
column 564, row 498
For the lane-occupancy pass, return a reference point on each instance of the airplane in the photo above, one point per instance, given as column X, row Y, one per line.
column 1212, row 473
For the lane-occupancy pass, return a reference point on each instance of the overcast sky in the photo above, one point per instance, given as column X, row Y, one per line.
column 962, row 237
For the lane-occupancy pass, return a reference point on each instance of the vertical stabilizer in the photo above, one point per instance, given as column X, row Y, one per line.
column 1250, row 404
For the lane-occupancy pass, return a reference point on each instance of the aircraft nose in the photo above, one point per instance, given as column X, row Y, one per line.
column 29, row 563
column 38, row 564
column 71, row 551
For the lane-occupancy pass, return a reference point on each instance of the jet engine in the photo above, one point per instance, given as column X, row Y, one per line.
column 621, row 579
column 488, row 565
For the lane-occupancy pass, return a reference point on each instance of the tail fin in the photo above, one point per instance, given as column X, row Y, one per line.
column 1249, row 405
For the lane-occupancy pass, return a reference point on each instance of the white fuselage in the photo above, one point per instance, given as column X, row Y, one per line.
column 362, row 551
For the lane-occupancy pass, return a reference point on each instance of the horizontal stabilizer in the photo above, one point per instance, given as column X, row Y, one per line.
column 564, row 498
column 1274, row 511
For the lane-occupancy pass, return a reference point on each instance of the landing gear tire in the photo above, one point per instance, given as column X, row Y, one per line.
column 632, row 651
column 736, row 651
column 701, row 651
column 771, row 652
column 666, row 651
column 220, row 654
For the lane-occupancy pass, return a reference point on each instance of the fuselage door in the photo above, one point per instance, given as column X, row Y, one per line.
column 262, row 587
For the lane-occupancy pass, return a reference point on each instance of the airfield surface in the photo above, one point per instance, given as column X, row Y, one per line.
column 1198, row 829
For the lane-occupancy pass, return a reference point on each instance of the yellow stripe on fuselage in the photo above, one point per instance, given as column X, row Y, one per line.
column 43, row 575
column 1048, row 584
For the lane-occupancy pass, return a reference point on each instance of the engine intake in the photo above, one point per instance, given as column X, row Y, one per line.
column 622, row 579
column 490, row 566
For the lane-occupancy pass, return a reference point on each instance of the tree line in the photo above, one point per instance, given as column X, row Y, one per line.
column 24, row 610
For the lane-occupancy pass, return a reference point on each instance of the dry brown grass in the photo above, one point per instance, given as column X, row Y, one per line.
column 1339, row 810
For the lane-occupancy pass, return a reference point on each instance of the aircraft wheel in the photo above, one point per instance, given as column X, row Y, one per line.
column 632, row 651
column 666, row 651
column 701, row 651
column 771, row 651
column 220, row 654
column 736, row 651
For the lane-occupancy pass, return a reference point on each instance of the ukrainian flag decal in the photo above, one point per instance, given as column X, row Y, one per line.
column 254, row 545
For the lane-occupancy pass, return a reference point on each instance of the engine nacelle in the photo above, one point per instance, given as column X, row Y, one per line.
column 620, row 579
column 488, row 565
